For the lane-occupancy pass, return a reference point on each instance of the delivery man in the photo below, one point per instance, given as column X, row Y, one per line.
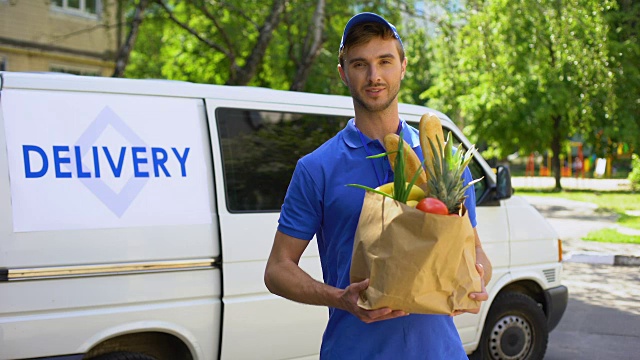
column 372, row 64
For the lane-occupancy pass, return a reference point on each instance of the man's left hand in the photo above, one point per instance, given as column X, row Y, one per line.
column 479, row 296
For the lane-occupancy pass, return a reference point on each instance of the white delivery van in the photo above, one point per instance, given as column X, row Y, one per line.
column 136, row 217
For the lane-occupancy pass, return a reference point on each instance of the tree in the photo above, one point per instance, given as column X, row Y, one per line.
column 624, row 50
column 125, row 49
column 418, row 50
column 226, row 42
column 312, row 45
column 241, row 39
column 527, row 75
column 145, row 60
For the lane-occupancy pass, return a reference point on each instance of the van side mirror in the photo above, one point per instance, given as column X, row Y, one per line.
column 503, row 183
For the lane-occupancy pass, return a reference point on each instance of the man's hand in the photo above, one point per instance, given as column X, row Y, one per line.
column 349, row 302
column 479, row 296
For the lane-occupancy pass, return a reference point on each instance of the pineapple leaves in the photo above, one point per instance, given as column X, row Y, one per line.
column 445, row 178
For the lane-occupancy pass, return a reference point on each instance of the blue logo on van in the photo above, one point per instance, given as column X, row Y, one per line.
column 118, row 203
column 90, row 176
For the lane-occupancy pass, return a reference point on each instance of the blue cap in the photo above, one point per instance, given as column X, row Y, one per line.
column 367, row 17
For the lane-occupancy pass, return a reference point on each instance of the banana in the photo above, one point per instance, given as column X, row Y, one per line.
column 386, row 188
column 412, row 162
column 430, row 127
column 415, row 194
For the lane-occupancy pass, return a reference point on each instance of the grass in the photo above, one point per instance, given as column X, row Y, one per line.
column 619, row 203
column 611, row 235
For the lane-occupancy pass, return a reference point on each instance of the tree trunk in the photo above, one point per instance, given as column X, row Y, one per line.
column 555, row 148
column 244, row 74
column 312, row 46
column 119, row 23
column 125, row 50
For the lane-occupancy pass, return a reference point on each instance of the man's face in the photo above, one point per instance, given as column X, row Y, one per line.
column 373, row 72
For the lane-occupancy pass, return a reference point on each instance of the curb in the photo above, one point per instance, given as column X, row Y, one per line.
column 626, row 260
column 604, row 259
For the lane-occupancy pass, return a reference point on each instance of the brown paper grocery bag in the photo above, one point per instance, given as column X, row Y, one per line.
column 415, row 261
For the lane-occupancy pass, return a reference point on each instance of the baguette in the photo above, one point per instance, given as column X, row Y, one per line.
column 412, row 162
column 430, row 128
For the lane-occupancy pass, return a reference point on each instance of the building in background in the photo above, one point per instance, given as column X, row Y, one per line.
column 71, row 36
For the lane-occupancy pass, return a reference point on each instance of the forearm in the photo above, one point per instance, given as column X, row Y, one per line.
column 288, row 280
column 284, row 277
column 481, row 258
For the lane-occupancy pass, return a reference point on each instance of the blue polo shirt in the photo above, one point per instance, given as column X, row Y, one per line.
column 319, row 203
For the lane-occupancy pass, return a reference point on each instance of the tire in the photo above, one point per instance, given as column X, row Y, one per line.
column 123, row 355
column 515, row 329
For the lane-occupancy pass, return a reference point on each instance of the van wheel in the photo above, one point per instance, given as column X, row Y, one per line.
column 515, row 329
column 123, row 355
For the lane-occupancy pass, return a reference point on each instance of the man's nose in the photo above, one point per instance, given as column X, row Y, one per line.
column 374, row 74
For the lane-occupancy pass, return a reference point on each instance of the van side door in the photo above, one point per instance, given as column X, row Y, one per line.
column 255, row 148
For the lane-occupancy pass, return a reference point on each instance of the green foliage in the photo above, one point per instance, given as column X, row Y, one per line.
column 529, row 75
column 634, row 175
column 144, row 61
column 167, row 50
column 624, row 49
column 417, row 49
column 515, row 66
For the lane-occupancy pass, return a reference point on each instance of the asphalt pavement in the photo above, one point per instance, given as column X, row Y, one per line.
column 602, row 316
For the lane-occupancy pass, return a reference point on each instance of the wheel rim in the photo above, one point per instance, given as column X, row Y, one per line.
column 510, row 338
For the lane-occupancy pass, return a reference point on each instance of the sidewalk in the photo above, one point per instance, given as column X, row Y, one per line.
column 572, row 183
column 573, row 220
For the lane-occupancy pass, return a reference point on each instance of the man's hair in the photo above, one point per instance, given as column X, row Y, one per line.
column 363, row 33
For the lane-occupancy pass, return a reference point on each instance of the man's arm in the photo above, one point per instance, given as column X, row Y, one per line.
column 283, row 276
column 483, row 266
column 481, row 258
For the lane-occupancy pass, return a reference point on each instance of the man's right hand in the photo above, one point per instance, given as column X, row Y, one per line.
column 285, row 278
column 349, row 302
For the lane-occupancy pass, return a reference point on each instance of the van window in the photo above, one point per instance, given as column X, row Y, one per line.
column 476, row 173
column 260, row 150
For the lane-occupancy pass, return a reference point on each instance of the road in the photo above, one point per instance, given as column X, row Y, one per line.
column 602, row 320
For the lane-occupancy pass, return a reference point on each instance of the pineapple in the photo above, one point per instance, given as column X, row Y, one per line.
column 439, row 175
column 443, row 165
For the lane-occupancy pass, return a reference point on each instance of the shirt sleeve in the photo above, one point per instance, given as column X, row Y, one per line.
column 301, row 213
column 470, row 200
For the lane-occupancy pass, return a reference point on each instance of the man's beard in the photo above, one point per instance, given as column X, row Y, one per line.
column 375, row 107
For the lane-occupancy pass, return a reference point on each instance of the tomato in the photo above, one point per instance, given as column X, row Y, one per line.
column 433, row 206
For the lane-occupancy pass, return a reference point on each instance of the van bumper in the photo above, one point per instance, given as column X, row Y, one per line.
column 556, row 299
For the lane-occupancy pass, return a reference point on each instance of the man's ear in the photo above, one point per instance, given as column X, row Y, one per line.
column 404, row 68
column 343, row 76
